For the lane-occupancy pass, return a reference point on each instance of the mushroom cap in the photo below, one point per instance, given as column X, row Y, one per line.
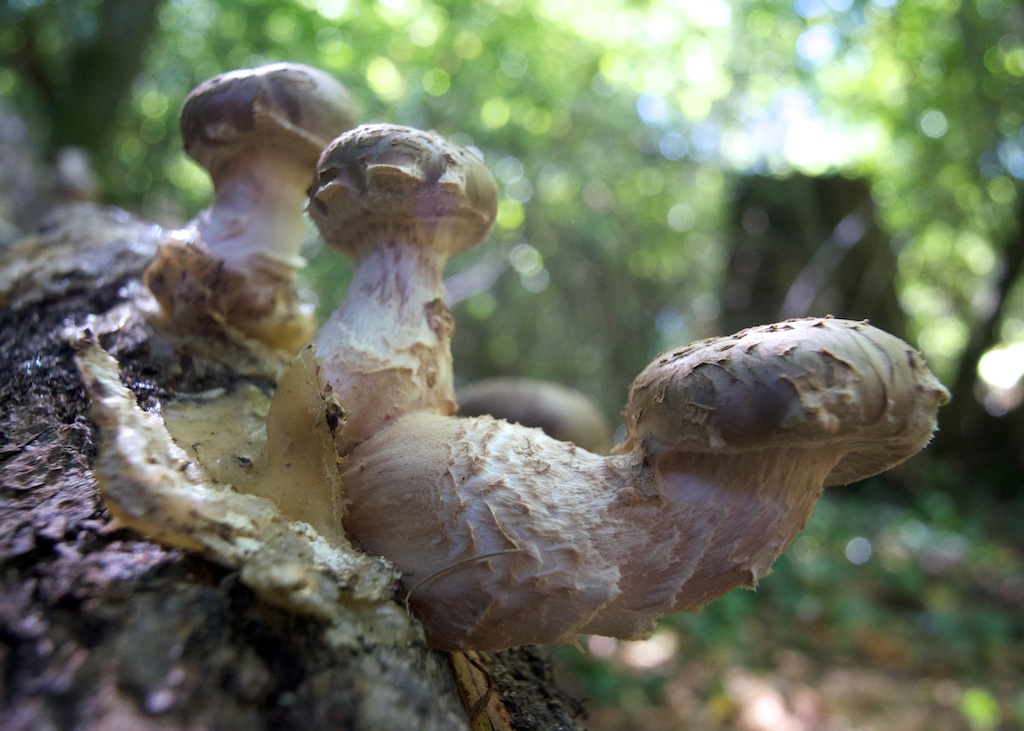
column 561, row 412
column 384, row 177
column 289, row 106
column 813, row 383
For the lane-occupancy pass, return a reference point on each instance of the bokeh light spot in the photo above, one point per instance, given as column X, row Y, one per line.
column 436, row 82
column 858, row 550
column 384, row 79
column 933, row 123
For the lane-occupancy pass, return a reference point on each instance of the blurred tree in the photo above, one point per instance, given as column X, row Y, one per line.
column 809, row 245
column 76, row 63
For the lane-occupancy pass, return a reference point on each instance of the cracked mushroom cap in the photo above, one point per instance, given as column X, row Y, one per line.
column 870, row 398
column 384, row 177
column 291, row 106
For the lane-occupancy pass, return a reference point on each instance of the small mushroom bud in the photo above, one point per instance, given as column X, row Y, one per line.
column 399, row 202
column 561, row 412
column 507, row 537
column 258, row 132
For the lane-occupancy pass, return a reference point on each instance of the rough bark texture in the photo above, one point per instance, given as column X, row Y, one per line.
column 102, row 629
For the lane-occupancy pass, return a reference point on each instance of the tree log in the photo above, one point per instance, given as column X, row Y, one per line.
column 101, row 628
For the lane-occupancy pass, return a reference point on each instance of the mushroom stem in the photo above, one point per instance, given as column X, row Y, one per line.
column 399, row 202
column 394, row 281
column 380, row 372
column 505, row 536
column 257, row 212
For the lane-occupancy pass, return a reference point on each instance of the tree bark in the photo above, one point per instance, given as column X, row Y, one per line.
column 101, row 628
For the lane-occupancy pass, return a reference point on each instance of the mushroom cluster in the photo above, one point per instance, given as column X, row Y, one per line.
column 503, row 535
column 506, row 536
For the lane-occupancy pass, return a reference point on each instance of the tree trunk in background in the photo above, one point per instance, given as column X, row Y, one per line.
column 102, row 629
column 987, row 445
column 78, row 91
column 809, row 246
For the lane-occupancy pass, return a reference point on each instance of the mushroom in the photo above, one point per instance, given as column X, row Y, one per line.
column 399, row 202
column 563, row 413
column 505, row 536
column 258, row 132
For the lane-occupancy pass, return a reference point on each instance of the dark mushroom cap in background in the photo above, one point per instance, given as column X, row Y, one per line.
column 384, row 177
column 286, row 105
column 816, row 383
column 561, row 412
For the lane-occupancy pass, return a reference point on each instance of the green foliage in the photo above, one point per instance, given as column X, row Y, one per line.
column 980, row 709
column 945, row 86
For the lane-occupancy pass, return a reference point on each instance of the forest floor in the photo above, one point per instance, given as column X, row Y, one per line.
column 878, row 617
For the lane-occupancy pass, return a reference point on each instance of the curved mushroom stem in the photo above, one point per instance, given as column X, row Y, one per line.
column 505, row 536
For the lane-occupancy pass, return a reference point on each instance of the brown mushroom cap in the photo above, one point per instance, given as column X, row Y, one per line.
column 561, row 412
column 286, row 105
column 384, row 177
column 820, row 383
